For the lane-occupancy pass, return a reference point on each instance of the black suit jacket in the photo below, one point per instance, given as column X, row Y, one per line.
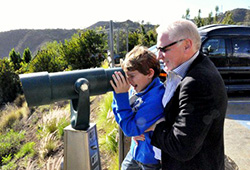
column 191, row 138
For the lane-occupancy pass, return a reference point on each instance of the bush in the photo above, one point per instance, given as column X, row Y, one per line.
column 84, row 50
column 48, row 59
column 9, row 82
column 10, row 143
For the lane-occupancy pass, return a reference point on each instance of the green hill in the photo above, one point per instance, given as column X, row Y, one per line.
column 34, row 39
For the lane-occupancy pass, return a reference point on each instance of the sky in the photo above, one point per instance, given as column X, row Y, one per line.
column 79, row 14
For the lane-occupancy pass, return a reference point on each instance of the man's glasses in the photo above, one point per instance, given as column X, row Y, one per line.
column 163, row 49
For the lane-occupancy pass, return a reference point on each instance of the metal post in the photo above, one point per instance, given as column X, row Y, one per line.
column 80, row 140
column 111, row 43
column 117, row 41
column 127, row 38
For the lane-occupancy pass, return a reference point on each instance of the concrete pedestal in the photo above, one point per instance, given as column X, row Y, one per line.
column 81, row 149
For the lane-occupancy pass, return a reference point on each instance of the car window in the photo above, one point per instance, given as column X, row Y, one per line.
column 241, row 47
column 214, row 47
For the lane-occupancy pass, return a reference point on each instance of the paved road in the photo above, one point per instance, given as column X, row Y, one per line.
column 237, row 131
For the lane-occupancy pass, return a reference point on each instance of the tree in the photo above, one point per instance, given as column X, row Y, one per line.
column 84, row 50
column 147, row 37
column 216, row 14
column 9, row 82
column 133, row 39
column 15, row 59
column 187, row 15
column 228, row 19
column 198, row 20
column 209, row 20
column 48, row 59
column 27, row 55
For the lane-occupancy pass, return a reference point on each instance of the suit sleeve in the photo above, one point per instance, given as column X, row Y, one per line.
column 185, row 137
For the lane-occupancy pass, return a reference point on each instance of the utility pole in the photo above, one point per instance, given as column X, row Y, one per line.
column 111, row 43
column 127, row 38
column 117, row 41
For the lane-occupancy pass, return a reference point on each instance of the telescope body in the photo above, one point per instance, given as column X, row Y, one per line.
column 44, row 88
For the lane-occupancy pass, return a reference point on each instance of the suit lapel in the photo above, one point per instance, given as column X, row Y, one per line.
column 171, row 110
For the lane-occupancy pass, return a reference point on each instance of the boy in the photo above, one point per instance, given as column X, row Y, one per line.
column 136, row 110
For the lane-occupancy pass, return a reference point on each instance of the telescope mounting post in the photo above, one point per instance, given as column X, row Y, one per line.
column 80, row 139
column 80, row 108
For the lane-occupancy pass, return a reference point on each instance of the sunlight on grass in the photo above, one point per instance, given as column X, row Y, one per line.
column 108, row 138
column 48, row 145
column 55, row 120
column 105, row 64
column 12, row 114
column 10, row 142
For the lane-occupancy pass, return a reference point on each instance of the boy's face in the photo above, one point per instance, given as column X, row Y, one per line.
column 138, row 80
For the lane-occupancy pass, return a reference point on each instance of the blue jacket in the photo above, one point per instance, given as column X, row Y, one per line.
column 134, row 119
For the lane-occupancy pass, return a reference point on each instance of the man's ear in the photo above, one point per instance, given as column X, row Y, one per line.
column 151, row 73
column 188, row 44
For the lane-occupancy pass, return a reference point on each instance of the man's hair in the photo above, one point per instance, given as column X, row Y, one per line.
column 181, row 29
column 141, row 59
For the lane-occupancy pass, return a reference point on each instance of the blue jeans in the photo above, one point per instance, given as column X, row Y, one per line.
column 130, row 164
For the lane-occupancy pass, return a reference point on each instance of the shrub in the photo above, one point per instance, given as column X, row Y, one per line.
column 10, row 142
column 84, row 50
column 9, row 82
column 27, row 149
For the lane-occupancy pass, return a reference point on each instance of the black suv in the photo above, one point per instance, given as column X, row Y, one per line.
column 228, row 46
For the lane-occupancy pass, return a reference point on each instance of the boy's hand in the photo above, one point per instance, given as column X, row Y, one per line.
column 121, row 84
column 136, row 138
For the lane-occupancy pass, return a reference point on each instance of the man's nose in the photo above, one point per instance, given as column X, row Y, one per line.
column 159, row 55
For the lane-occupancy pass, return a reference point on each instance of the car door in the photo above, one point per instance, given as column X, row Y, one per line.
column 239, row 60
column 216, row 49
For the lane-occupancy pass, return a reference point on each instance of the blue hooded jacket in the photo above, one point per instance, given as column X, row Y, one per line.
column 138, row 116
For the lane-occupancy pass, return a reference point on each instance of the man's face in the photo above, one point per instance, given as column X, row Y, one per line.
column 172, row 56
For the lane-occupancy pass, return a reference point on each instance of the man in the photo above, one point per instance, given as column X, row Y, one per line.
column 195, row 100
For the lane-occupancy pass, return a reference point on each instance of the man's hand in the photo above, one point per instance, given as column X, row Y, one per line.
column 120, row 84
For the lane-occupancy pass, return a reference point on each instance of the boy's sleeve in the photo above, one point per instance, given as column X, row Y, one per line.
column 135, row 123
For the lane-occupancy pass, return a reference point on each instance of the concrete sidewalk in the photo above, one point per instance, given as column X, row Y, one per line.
column 237, row 133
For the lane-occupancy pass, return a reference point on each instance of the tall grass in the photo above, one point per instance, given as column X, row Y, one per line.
column 55, row 120
column 109, row 130
column 51, row 131
column 49, row 122
column 11, row 115
column 15, row 151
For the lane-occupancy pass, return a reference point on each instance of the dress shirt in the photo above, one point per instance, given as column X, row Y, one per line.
column 174, row 78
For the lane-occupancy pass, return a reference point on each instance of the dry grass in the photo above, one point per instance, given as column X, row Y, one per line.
column 11, row 115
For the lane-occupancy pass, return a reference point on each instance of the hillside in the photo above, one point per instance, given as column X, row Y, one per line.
column 130, row 24
column 240, row 15
column 34, row 39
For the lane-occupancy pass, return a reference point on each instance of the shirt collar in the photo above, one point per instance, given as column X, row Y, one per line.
column 181, row 70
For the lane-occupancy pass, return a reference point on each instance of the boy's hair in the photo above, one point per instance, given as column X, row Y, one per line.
column 141, row 59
